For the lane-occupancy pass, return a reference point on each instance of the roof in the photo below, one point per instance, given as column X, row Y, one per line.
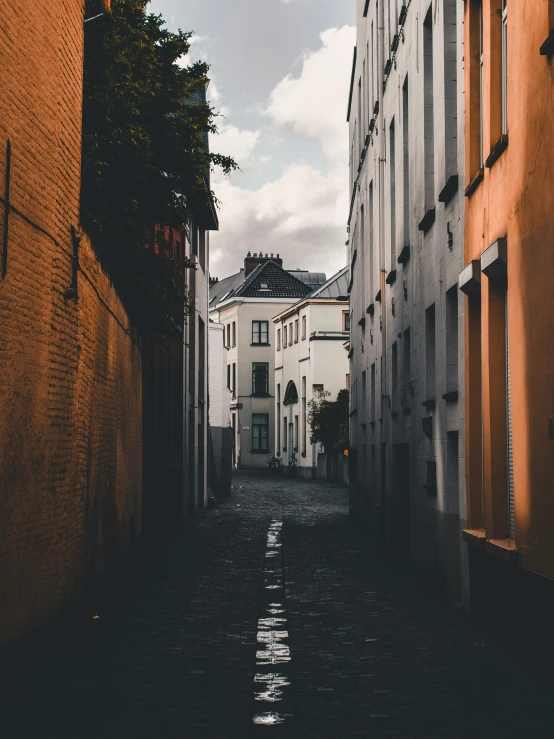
column 313, row 279
column 269, row 280
column 224, row 287
column 334, row 287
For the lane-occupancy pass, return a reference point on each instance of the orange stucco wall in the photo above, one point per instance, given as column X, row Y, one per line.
column 516, row 200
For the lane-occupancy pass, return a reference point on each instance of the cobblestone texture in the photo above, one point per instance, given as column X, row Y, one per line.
column 371, row 655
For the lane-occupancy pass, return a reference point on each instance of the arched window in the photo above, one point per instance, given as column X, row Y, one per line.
column 291, row 394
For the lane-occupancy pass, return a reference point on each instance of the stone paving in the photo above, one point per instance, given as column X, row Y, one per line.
column 371, row 656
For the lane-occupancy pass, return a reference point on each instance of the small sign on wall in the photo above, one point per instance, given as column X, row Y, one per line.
column 246, row 428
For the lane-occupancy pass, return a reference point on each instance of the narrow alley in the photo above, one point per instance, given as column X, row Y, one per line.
column 353, row 649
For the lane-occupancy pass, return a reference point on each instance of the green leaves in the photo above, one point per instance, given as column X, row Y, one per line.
column 329, row 421
column 145, row 159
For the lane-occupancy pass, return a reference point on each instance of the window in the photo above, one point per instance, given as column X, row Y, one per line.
column 318, row 390
column 296, row 331
column 228, row 335
column 431, row 478
column 260, row 378
column 202, row 249
column 406, row 154
column 194, row 238
column 284, row 337
column 474, row 105
column 372, row 393
column 290, row 334
column 304, row 417
column 394, row 378
column 360, row 127
column 481, row 86
column 278, row 419
column 234, row 379
column 450, row 88
column 284, row 434
column 347, row 383
column 430, row 352
column 296, row 433
column 278, row 339
column 428, row 115
column 260, row 432
column 504, row 67
column 371, row 243
column 303, row 328
column 234, row 333
column 452, row 339
column 229, row 376
column 406, row 364
column 260, row 332
column 392, row 182
column 345, row 320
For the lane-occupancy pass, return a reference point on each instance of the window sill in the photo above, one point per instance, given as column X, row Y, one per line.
column 404, row 255
column 449, row 190
column 391, row 277
column 260, row 395
column 428, row 219
column 451, row 396
column 259, row 344
column 475, row 537
column 547, row 49
column 504, row 548
column 296, row 341
column 497, row 150
column 259, row 451
column 430, row 403
column 475, row 182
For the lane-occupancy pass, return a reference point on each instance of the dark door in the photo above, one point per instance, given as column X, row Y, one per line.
column 400, row 529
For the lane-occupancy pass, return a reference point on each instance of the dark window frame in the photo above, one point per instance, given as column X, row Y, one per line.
column 258, row 333
column 260, row 433
column 260, row 378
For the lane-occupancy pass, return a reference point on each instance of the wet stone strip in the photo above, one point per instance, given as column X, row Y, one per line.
column 273, row 699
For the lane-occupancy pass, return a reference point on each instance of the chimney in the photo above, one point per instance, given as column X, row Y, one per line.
column 252, row 261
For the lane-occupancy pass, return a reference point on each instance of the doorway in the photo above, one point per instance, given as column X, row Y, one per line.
column 400, row 529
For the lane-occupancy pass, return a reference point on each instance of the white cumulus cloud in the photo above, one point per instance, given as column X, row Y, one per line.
column 235, row 142
column 314, row 103
column 299, row 215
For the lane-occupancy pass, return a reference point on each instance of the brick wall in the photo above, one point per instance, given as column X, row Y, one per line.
column 70, row 372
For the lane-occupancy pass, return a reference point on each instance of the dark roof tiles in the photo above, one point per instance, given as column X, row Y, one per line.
column 269, row 280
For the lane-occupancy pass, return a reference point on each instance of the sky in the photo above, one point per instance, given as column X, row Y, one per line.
column 280, row 75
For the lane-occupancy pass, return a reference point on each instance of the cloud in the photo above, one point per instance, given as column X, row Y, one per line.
column 235, row 142
column 301, row 212
column 300, row 215
column 314, row 103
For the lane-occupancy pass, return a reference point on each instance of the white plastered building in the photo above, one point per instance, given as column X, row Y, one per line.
column 310, row 358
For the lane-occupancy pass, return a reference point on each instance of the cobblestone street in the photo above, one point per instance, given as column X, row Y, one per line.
column 370, row 655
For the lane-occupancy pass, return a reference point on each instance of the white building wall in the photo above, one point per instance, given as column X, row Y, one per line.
column 393, row 455
column 321, row 359
column 220, row 395
column 195, row 368
column 243, row 311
